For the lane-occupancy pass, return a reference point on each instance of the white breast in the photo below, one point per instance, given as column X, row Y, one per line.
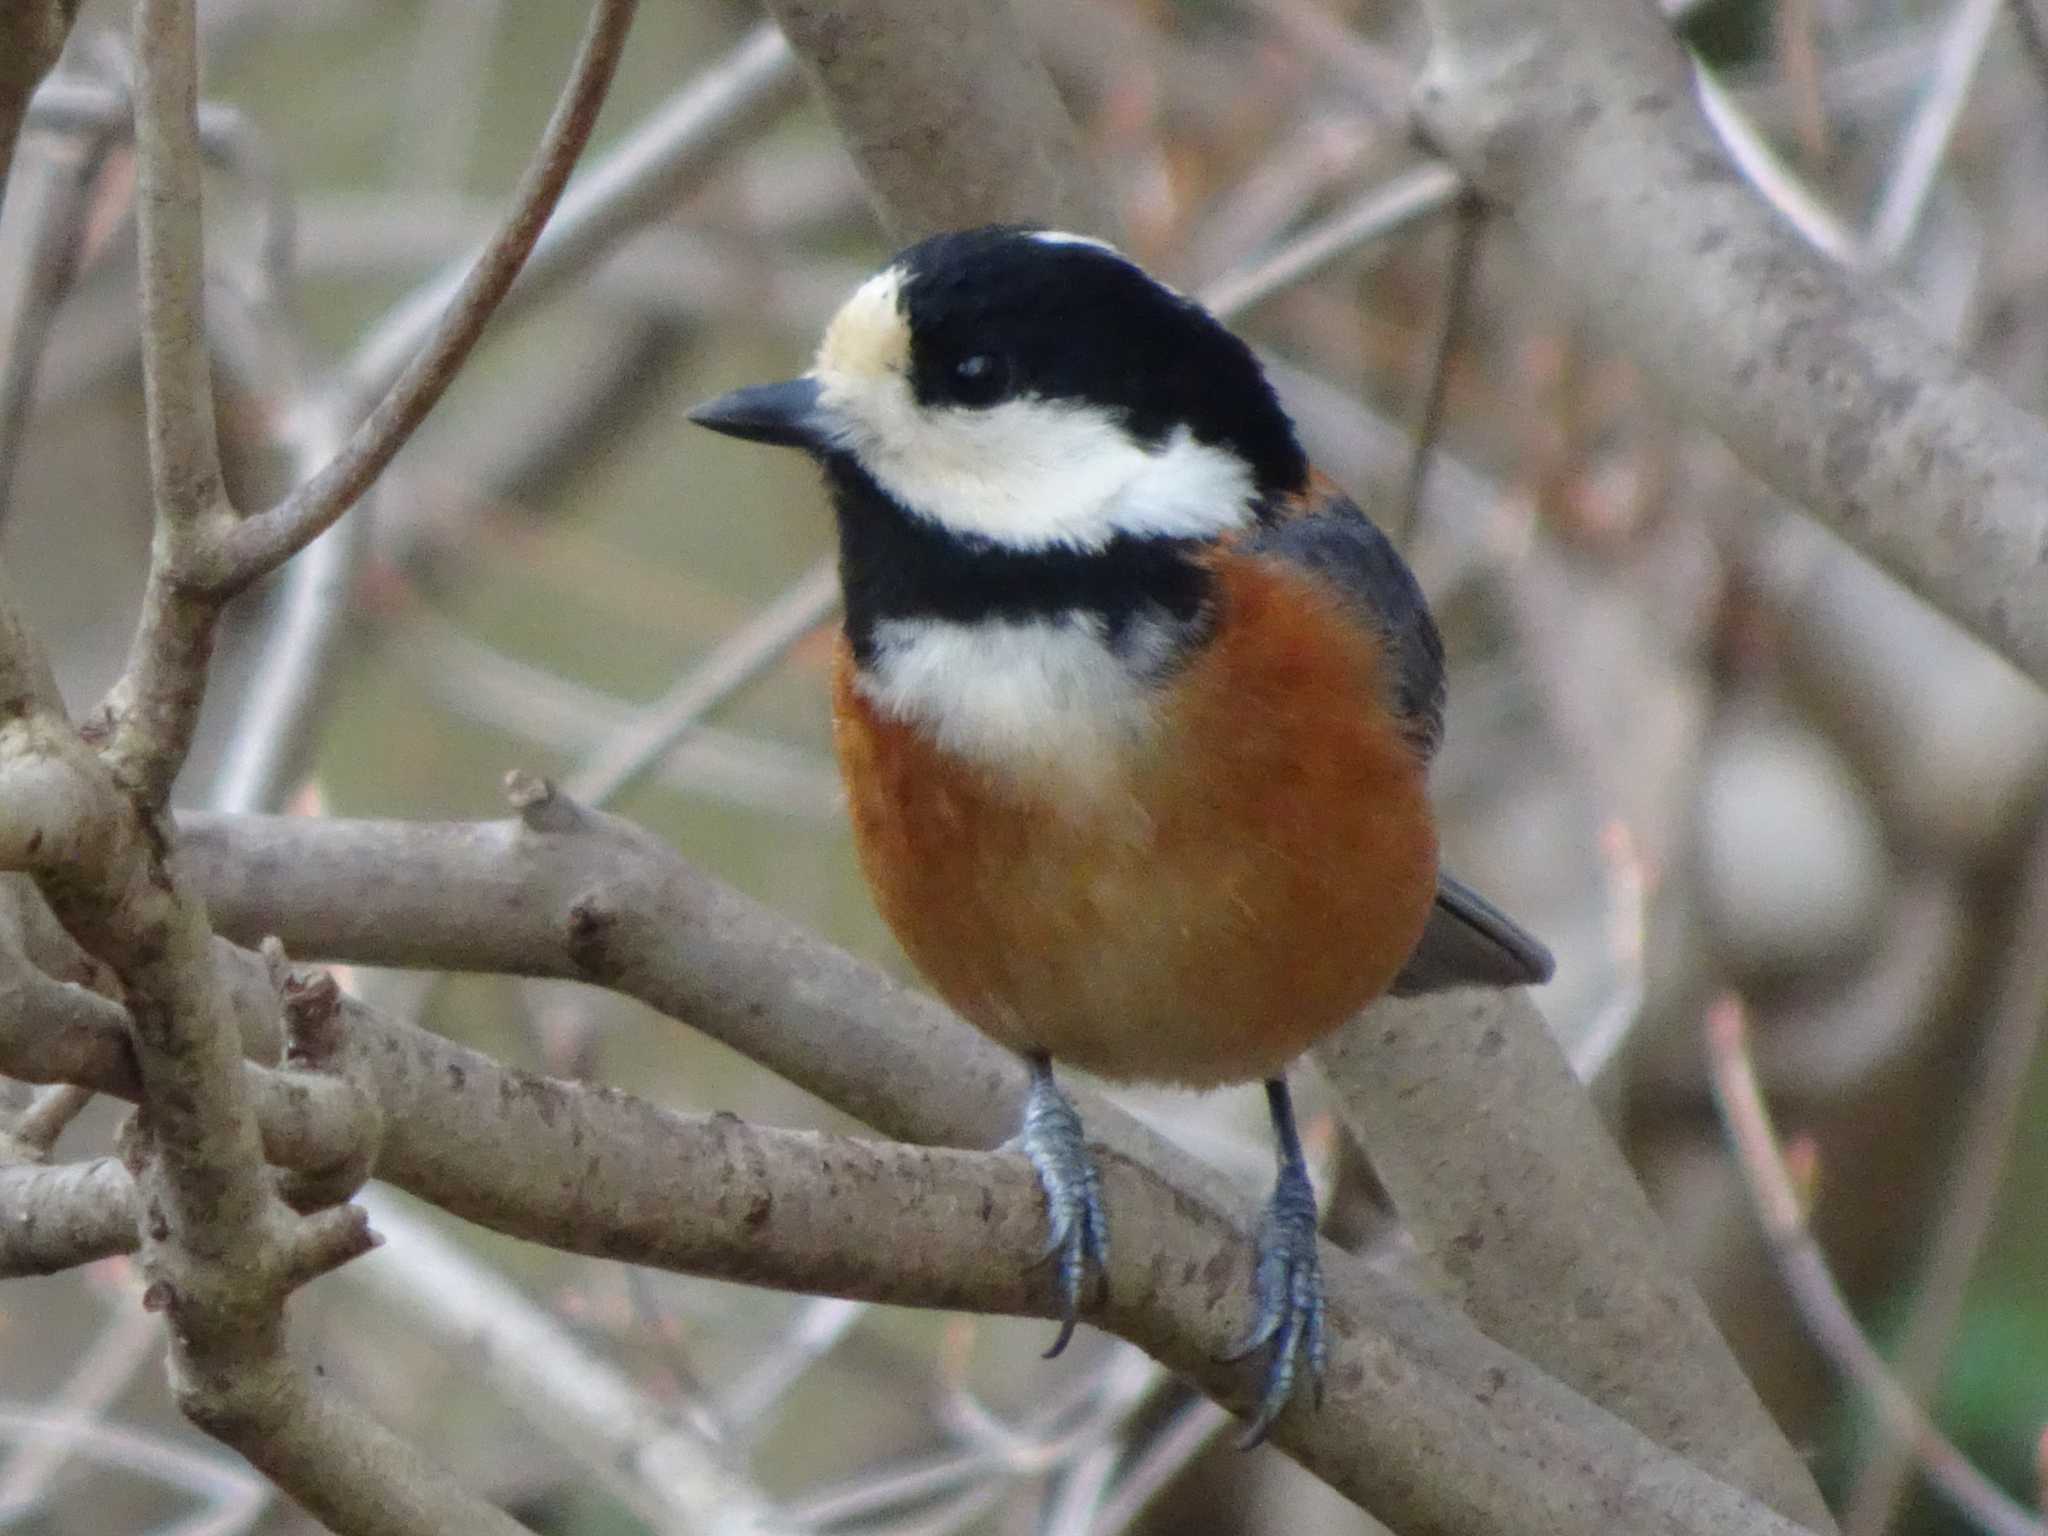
column 1025, row 699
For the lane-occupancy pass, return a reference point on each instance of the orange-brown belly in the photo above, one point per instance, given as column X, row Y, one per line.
column 1236, row 889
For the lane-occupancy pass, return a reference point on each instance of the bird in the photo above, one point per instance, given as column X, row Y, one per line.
column 1134, row 709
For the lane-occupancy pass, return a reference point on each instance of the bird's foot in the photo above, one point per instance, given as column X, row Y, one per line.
column 1079, row 1228
column 1289, row 1282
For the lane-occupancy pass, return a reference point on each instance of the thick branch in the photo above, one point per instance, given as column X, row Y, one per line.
column 1578, row 119
column 53, row 1219
column 597, row 900
column 1542, row 1230
column 582, row 896
column 1427, row 1421
column 948, row 111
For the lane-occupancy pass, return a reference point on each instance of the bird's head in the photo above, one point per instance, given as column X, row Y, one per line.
column 1030, row 391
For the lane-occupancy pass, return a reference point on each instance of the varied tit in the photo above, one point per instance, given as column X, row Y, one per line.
column 1134, row 708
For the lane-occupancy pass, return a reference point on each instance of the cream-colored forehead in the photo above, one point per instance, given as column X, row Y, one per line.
column 869, row 335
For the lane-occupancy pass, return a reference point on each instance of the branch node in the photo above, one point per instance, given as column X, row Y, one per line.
column 543, row 806
column 323, row 1242
column 275, row 961
column 591, row 920
column 131, row 1142
column 312, row 1018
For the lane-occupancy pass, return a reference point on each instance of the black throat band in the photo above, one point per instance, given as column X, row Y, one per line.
column 894, row 564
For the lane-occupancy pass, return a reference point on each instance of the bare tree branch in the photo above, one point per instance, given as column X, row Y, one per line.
column 624, row 1438
column 153, row 710
column 274, row 733
column 641, row 744
column 600, row 901
column 203, row 553
column 1820, row 1300
column 595, row 1171
column 948, row 111
column 572, row 894
column 48, row 1113
column 259, row 544
column 651, row 169
column 127, row 1339
column 220, row 1250
column 61, row 1217
column 1542, row 1230
column 1414, row 194
column 53, row 202
column 1993, row 1107
column 1578, row 120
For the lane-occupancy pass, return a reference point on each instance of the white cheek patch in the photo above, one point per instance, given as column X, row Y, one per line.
column 1032, row 474
column 1027, row 699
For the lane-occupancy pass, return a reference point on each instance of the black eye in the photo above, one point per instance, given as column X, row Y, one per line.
column 981, row 379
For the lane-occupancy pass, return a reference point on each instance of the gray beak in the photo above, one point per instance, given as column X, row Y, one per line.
column 788, row 414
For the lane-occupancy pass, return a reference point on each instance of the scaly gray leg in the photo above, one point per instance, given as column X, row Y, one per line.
column 1079, row 1235
column 1289, row 1278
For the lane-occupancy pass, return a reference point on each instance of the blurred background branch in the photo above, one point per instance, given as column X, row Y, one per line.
column 1697, row 740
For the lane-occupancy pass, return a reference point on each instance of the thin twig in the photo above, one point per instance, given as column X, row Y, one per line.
column 817, row 1329
column 1579, row 122
column 1765, row 170
column 126, row 1342
column 1466, row 235
column 655, row 1466
column 184, row 454
column 1382, row 211
column 235, row 1493
column 57, row 203
column 1926, row 140
column 228, row 138
column 303, row 625
column 259, row 544
column 1819, row 1299
column 51, row 1109
column 733, row 663
column 1969, row 1199
column 1320, row 157
column 1064, row 1426
column 154, row 708
column 643, row 175
column 1797, row 57
column 532, row 704
column 1179, row 1441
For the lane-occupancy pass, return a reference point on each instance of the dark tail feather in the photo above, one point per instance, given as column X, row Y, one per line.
column 1471, row 943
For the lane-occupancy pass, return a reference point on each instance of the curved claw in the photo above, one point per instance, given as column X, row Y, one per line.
column 1077, row 1226
column 1289, row 1287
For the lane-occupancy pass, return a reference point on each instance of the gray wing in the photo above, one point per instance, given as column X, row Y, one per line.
column 1343, row 546
column 1469, row 942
